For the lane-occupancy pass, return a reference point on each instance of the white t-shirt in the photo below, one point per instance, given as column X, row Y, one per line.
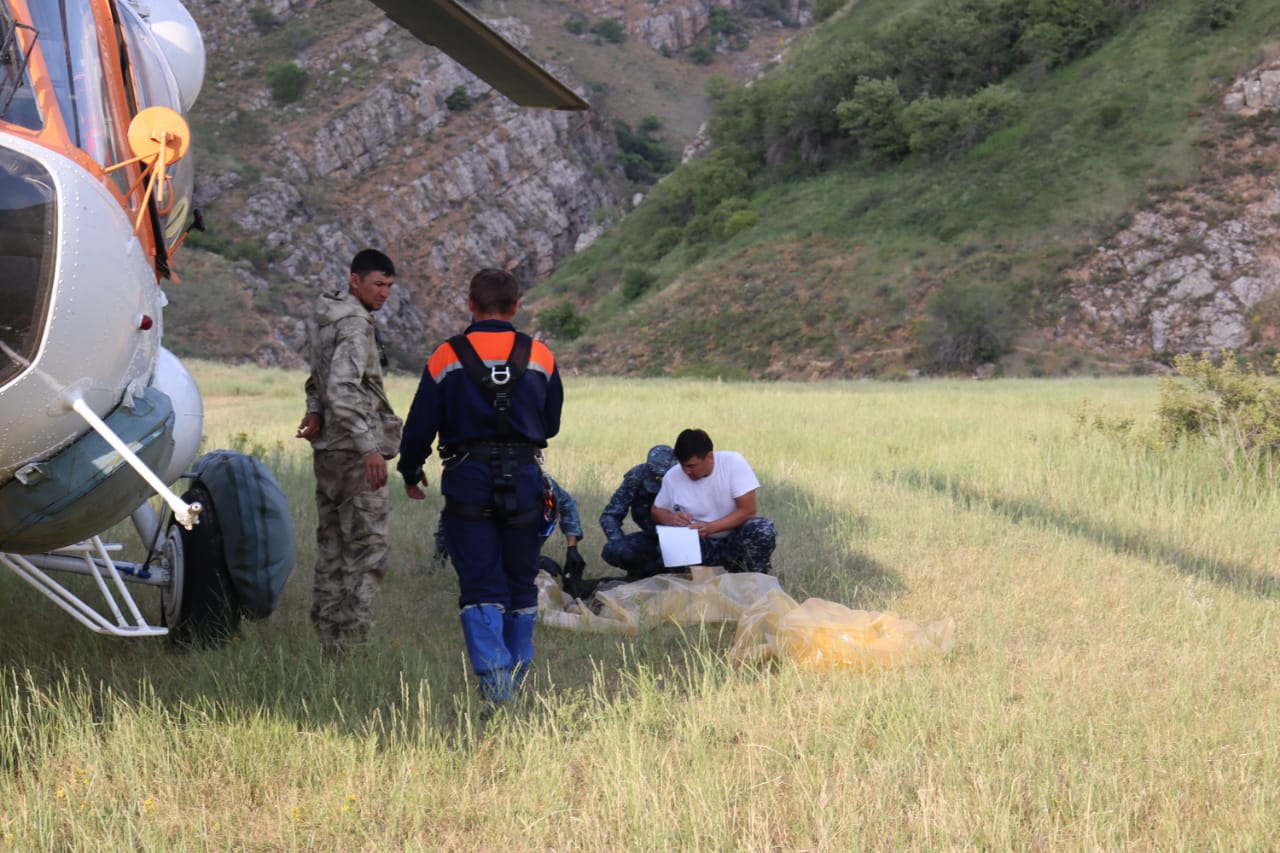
column 713, row 496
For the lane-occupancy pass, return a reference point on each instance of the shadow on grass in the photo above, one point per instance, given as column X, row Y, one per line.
column 412, row 684
column 1142, row 544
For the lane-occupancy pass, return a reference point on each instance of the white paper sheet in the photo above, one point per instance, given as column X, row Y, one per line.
column 679, row 546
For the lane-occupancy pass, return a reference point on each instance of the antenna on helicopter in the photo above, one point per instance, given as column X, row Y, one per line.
column 158, row 137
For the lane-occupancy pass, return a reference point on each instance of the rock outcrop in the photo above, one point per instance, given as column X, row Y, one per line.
column 380, row 159
column 1194, row 271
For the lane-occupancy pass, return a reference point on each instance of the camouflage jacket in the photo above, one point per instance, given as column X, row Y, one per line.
column 570, row 521
column 345, row 385
column 631, row 497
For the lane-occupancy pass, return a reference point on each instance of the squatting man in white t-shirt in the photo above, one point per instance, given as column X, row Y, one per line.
column 714, row 492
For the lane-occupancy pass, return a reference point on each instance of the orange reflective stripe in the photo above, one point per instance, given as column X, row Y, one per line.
column 491, row 347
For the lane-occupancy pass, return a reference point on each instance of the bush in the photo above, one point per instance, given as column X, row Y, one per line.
column 636, row 282
column 458, row 100
column 663, row 240
column 947, row 127
column 576, row 24
column 562, row 321
column 1214, row 14
column 699, row 187
column 609, row 30
column 700, row 53
column 644, row 158
column 824, row 9
column 873, row 117
column 262, row 19
column 287, row 81
column 739, row 221
column 1233, row 407
column 968, row 325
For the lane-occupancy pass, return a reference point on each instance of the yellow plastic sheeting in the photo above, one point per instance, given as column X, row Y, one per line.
column 817, row 634
column 705, row 596
column 823, row 635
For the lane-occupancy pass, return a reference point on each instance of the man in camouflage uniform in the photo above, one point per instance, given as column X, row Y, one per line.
column 352, row 431
column 637, row 553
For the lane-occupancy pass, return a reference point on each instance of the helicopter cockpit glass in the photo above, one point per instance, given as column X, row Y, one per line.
column 69, row 44
column 17, row 99
column 27, row 222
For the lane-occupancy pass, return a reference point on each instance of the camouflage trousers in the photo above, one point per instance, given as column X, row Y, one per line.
column 351, row 548
column 747, row 549
column 637, row 554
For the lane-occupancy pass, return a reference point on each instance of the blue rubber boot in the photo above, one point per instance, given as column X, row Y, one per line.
column 482, row 627
column 517, row 633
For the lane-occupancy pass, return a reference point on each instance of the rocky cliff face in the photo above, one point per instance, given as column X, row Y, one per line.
column 672, row 25
column 1199, row 270
column 372, row 155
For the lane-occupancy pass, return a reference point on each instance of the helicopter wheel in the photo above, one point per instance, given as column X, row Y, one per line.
column 200, row 606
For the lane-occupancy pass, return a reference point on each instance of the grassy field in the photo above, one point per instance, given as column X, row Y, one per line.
column 1113, row 684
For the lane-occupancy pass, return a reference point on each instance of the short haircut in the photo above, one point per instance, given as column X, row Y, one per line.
column 371, row 260
column 691, row 443
column 494, row 291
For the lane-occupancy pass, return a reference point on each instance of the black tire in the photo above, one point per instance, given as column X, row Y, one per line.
column 200, row 608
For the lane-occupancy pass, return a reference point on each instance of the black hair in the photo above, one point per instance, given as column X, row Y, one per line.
column 494, row 291
column 371, row 260
column 691, row 443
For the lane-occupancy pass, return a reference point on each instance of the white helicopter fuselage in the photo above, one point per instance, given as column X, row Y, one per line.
column 81, row 309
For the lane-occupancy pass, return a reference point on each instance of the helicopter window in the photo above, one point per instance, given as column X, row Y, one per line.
column 27, row 212
column 69, row 42
column 154, row 85
column 17, row 100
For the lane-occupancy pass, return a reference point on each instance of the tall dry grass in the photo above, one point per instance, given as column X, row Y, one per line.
column 1113, row 685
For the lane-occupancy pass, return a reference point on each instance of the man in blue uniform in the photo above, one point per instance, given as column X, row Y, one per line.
column 493, row 396
column 563, row 512
column 637, row 553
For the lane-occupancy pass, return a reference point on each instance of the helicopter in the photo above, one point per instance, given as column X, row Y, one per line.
column 98, row 420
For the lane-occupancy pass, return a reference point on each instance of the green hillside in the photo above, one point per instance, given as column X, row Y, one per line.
column 907, row 190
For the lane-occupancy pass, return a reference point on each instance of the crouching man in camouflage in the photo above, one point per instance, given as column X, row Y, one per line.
column 636, row 553
column 352, row 431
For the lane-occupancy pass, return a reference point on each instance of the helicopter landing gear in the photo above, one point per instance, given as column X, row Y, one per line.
column 199, row 606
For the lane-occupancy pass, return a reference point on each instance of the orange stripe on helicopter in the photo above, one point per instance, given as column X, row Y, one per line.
column 493, row 348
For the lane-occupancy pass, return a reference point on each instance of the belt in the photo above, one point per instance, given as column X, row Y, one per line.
column 521, row 454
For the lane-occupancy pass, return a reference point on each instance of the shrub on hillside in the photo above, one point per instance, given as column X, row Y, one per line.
column 609, row 30
column 562, row 321
column 968, row 325
column 1214, row 14
column 458, row 101
column 948, row 127
column 644, row 157
column 702, row 185
column 287, row 81
column 873, row 118
column 1233, row 407
column 953, row 47
column 824, row 9
column 262, row 18
column 636, row 282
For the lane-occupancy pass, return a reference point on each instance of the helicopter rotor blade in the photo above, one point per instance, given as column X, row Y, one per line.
column 474, row 45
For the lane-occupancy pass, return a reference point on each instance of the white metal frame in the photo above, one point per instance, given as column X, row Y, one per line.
column 91, row 557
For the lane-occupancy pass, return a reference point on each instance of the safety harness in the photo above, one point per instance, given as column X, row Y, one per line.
column 499, row 382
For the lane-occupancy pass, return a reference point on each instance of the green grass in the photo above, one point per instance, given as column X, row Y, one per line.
column 1112, row 685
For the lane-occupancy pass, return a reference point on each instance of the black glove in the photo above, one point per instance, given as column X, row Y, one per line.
column 573, row 568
